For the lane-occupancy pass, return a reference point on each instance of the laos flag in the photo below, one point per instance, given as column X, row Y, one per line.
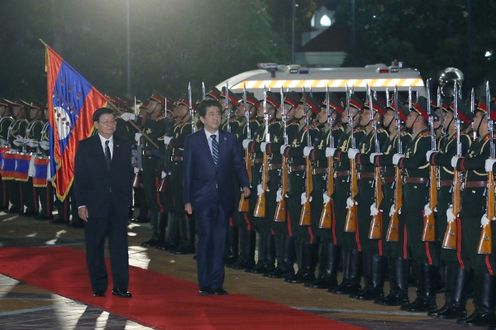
column 72, row 100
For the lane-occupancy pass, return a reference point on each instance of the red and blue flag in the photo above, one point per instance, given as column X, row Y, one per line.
column 72, row 100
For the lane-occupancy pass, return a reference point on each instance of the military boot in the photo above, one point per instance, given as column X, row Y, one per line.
column 483, row 314
column 455, row 306
column 322, row 280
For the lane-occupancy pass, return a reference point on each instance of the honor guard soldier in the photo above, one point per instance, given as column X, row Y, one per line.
column 247, row 106
column 45, row 191
column 268, row 184
column 300, row 190
column 456, row 274
column 331, row 129
column 181, row 228
column 369, row 199
column 415, row 191
column 350, row 255
column 477, row 246
column 392, row 183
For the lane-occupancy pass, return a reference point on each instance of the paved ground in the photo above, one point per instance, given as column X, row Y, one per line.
column 27, row 307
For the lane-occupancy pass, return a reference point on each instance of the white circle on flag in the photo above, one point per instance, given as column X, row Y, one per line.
column 63, row 122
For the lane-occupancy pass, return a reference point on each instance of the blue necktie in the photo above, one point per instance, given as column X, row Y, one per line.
column 215, row 148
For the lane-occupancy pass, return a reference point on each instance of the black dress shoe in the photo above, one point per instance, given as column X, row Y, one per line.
column 205, row 292
column 219, row 292
column 98, row 293
column 121, row 293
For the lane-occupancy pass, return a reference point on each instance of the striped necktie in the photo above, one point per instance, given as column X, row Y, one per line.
column 215, row 148
column 108, row 156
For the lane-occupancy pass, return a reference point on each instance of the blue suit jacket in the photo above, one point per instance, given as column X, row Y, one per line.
column 206, row 184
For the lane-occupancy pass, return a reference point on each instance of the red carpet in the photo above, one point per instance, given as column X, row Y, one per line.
column 159, row 301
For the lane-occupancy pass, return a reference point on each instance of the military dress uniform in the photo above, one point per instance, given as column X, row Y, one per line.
column 5, row 123
column 17, row 131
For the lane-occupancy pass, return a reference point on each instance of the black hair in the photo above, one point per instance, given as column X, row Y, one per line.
column 202, row 107
column 102, row 111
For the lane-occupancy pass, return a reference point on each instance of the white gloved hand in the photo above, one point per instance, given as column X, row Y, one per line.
column 127, row 116
column 304, row 198
column 263, row 146
column 454, row 161
column 137, row 137
column 279, row 195
column 307, row 151
column 427, row 210
column 326, row 197
column 45, row 145
column 372, row 156
column 4, row 142
column 260, row 190
column 167, row 140
column 19, row 141
column 373, row 210
column 352, row 153
column 329, row 152
column 488, row 166
column 283, row 148
column 136, row 170
column 392, row 210
column 450, row 216
column 246, row 143
column 32, row 143
column 350, row 203
column 429, row 153
column 484, row 220
column 163, row 174
column 397, row 158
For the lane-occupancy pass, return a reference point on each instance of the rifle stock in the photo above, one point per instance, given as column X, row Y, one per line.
column 486, row 237
column 429, row 231
column 352, row 212
column 244, row 203
column 259, row 211
column 325, row 221
column 306, row 210
column 280, row 215
column 450, row 236
column 392, row 234
column 375, row 231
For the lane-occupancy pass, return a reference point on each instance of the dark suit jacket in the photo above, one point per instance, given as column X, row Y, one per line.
column 98, row 188
column 206, row 184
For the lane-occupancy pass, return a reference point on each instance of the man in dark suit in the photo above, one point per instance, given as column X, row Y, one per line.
column 212, row 165
column 103, row 182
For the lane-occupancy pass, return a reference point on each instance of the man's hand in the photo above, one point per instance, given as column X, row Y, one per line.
column 188, row 209
column 246, row 192
column 83, row 213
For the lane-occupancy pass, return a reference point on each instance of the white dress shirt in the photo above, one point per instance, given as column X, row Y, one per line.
column 111, row 144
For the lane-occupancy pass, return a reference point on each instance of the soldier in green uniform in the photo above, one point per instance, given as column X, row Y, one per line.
column 45, row 193
column 17, row 131
column 456, row 274
column 415, row 191
column 305, row 243
column 5, row 121
column 154, row 128
column 266, row 249
column 396, row 266
column 472, row 217
column 328, row 249
column 181, row 233
column 371, row 249
column 246, row 232
column 350, row 255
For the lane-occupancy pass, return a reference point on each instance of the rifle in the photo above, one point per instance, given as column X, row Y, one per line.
column 450, row 235
column 259, row 211
column 428, row 230
column 203, row 93
column 190, row 109
column 228, row 119
column 392, row 234
column 280, row 214
column 306, row 210
column 375, row 231
column 486, row 237
column 352, row 211
column 167, row 155
column 325, row 221
column 244, row 203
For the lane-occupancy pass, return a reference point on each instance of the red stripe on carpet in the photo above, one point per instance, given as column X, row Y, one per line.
column 159, row 300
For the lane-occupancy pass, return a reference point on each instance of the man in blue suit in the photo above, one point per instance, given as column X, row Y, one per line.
column 103, row 180
column 212, row 164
